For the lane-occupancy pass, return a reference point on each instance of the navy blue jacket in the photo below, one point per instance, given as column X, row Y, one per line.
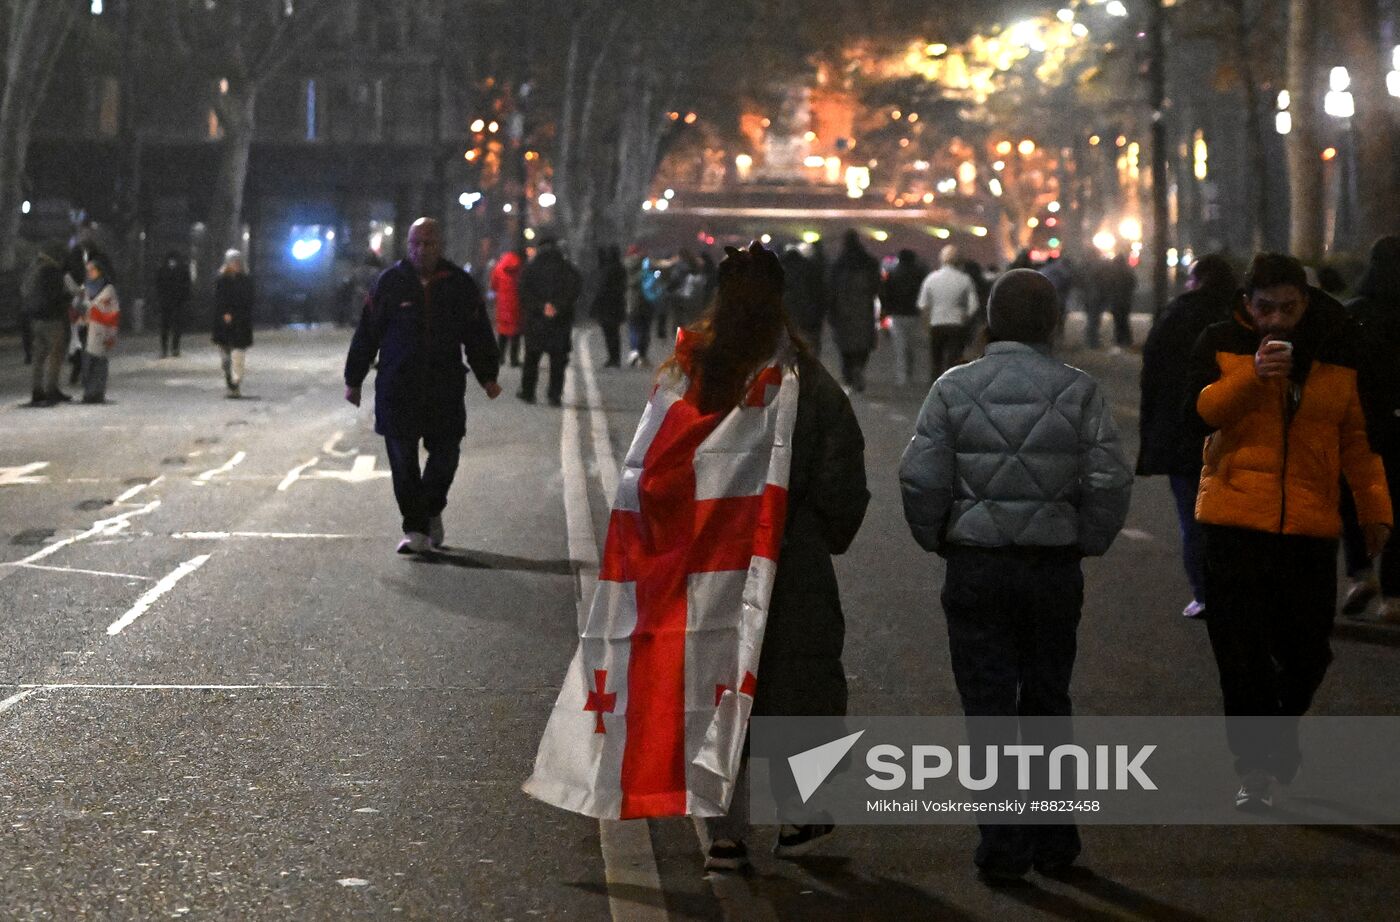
column 419, row 335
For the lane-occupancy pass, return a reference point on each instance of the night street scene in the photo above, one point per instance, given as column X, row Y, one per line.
column 650, row 460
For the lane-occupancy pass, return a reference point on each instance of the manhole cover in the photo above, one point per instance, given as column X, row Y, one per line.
column 92, row 505
column 207, row 440
column 32, row 537
column 173, row 460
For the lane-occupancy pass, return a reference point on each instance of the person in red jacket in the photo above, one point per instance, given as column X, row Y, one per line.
column 505, row 284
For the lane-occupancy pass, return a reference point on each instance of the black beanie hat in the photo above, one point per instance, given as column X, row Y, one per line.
column 1023, row 308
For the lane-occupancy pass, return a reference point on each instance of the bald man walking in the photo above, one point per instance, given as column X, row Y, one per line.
column 421, row 313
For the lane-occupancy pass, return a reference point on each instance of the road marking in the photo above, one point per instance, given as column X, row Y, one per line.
column 275, row 535
column 38, row 566
column 628, row 860
column 14, row 476
column 736, row 899
column 112, row 526
column 360, row 471
column 224, row 468
column 330, row 449
column 1136, row 534
column 17, row 698
column 602, row 441
column 166, row 584
column 294, row 474
column 134, row 491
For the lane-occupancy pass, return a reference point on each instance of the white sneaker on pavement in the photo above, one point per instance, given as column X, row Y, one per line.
column 414, row 542
column 1194, row 609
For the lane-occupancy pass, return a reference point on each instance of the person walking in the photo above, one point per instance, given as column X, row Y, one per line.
column 549, row 291
column 422, row 313
column 638, row 307
column 804, row 295
column 505, row 283
column 899, row 301
column 233, row 319
column 855, row 284
column 948, row 300
column 101, row 312
column 46, row 306
column 1167, row 444
column 1014, row 474
column 1376, row 310
column 173, row 285
column 608, row 301
column 1275, row 395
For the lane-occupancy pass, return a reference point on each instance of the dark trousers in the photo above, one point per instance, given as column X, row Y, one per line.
column 1358, row 562
column 1270, row 602
column 422, row 494
column 1184, row 487
column 26, row 338
column 945, row 346
column 94, row 376
column 1013, row 615
column 172, row 324
column 530, row 375
column 639, row 330
column 853, row 370
column 612, row 338
column 511, row 340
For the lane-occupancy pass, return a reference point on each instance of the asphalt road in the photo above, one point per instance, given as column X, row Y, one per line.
column 223, row 696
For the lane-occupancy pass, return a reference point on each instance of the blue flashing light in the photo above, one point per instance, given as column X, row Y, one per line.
column 306, row 248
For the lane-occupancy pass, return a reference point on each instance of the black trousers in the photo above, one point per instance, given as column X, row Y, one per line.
column 511, row 342
column 172, row 324
column 612, row 338
column 1270, row 602
column 422, row 493
column 1013, row 617
column 530, row 374
column 945, row 347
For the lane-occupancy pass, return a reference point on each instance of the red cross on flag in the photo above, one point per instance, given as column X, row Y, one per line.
column 653, row 711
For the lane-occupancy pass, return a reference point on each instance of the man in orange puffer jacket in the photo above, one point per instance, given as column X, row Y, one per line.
column 1275, row 389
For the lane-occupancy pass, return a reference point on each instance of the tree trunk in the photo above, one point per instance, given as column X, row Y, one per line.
column 1253, row 127
column 1161, row 233
column 236, row 116
column 1305, row 199
column 1358, row 25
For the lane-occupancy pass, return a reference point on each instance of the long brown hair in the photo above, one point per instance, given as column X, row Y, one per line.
column 738, row 332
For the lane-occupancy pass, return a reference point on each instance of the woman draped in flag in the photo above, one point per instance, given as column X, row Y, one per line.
column 717, row 597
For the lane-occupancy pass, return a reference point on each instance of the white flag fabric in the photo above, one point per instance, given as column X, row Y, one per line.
column 654, row 708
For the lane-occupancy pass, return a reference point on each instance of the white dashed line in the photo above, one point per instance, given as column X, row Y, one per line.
column 274, row 535
column 294, row 474
column 134, row 491
column 16, row 699
column 37, row 566
column 112, row 526
column 224, row 468
column 166, row 584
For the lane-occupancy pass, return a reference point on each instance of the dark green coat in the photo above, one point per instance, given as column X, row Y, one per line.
column 800, row 670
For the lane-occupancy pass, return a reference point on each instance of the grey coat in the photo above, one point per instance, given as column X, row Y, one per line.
column 1015, row 449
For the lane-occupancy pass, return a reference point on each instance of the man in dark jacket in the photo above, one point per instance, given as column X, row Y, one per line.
column 421, row 313
column 172, row 294
column 46, row 303
column 549, row 289
column 1168, row 444
column 804, row 295
column 899, row 301
column 608, row 301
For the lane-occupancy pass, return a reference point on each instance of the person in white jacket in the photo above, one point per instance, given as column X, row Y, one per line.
column 948, row 298
column 97, row 304
column 1014, row 474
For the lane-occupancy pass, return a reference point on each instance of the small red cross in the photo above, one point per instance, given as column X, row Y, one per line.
column 599, row 701
column 747, row 687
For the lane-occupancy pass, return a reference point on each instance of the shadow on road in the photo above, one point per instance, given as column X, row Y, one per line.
column 1366, row 632
column 485, row 560
column 688, row 906
column 848, row 896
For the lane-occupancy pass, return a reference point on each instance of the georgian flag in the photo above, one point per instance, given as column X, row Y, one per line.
column 653, row 711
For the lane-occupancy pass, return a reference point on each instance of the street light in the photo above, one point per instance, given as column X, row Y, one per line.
column 1116, row 8
column 547, row 199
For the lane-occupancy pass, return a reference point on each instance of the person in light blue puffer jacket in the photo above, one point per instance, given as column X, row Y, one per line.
column 1014, row 474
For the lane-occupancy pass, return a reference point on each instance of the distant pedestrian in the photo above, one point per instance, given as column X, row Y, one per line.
column 685, row 290
column 608, row 301
column 549, row 292
column 233, row 319
column 804, row 295
column 899, row 301
column 1168, row 443
column 638, row 307
column 423, row 312
column 173, row 285
column 1113, row 286
column 46, row 305
column 1015, row 473
column 1061, row 273
column 1281, row 375
column 1377, row 311
column 948, row 301
column 855, row 284
column 82, row 249
column 505, row 283
column 101, row 311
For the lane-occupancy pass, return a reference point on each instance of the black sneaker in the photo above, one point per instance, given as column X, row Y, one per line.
column 727, row 855
column 1256, row 794
column 59, row 397
column 555, row 402
column 526, row 398
column 798, row 840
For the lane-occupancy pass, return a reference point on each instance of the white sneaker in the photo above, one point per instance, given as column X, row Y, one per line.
column 414, row 542
column 1256, row 793
column 1194, row 609
column 435, row 533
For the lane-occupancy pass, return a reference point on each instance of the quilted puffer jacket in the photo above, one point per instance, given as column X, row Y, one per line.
column 1015, row 449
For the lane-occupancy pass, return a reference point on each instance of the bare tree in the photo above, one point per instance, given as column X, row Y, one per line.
column 1305, row 237
column 34, row 35
column 1358, row 24
column 238, row 46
